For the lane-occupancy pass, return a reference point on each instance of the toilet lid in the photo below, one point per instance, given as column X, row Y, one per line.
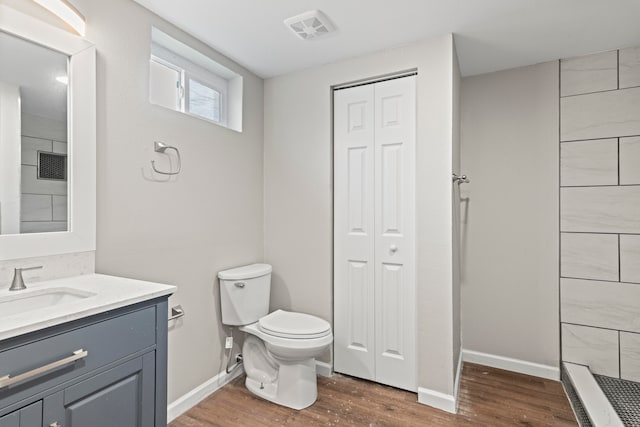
column 289, row 324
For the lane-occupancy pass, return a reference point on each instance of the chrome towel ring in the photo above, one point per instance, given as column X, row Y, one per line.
column 161, row 147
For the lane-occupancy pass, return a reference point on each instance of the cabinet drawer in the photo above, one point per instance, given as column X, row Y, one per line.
column 105, row 342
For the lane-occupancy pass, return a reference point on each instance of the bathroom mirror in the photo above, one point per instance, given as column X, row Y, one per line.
column 47, row 139
column 33, row 137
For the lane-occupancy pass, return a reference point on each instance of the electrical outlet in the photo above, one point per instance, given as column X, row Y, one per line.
column 228, row 343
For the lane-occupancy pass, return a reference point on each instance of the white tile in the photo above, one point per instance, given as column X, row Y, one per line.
column 35, row 207
column 31, row 184
column 41, row 127
column 589, row 256
column 630, row 356
column 591, row 73
column 600, row 115
column 589, row 162
column 600, row 209
column 30, row 147
column 630, row 160
column 597, row 348
column 59, row 208
column 601, row 304
column 630, row 258
column 630, row 67
column 59, row 147
column 43, row 227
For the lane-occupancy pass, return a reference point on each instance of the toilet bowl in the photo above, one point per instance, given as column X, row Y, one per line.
column 280, row 362
column 280, row 348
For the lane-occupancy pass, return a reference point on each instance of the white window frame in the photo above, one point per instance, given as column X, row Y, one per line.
column 189, row 71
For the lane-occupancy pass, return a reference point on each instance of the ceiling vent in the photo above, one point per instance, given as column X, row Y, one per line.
column 310, row 25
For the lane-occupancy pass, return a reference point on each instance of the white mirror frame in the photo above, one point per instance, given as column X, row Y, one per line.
column 81, row 124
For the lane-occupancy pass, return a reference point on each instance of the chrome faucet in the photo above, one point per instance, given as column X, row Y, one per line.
column 18, row 282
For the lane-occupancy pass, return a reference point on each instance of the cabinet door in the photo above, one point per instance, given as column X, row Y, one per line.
column 10, row 420
column 123, row 396
column 29, row 416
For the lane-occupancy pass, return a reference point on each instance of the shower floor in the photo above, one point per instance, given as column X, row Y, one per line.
column 624, row 397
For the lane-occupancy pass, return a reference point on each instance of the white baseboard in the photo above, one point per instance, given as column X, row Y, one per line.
column 324, row 369
column 198, row 394
column 515, row 365
column 436, row 399
column 443, row 401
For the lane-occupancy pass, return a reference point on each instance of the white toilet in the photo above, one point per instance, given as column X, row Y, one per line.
column 280, row 348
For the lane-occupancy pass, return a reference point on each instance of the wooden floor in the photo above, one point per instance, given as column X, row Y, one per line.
column 488, row 397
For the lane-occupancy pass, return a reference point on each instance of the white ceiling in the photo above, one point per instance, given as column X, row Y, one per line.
column 490, row 34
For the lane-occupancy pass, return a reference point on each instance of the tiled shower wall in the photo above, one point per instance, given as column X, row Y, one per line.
column 43, row 204
column 600, row 212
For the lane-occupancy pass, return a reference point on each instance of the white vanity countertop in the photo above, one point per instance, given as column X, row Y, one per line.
column 105, row 293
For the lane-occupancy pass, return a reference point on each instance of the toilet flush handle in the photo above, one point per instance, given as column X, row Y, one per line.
column 240, row 284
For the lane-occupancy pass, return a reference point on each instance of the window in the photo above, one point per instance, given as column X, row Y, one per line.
column 185, row 80
column 204, row 101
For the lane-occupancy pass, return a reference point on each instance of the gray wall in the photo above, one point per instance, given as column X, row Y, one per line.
column 182, row 231
column 600, row 212
column 298, row 191
column 510, row 215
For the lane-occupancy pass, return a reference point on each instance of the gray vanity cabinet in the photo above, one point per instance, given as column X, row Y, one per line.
column 113, row 372
column 26, row 417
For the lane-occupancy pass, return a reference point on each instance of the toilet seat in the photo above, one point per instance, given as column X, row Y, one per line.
column 292, row 325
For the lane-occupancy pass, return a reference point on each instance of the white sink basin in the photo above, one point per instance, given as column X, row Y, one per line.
column 24, row 301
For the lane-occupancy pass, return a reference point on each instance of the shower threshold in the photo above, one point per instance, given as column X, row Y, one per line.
column 601, row 401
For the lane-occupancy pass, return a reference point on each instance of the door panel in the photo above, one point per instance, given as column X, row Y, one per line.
column 10, row 420
column 395, row 229
column 358, row 296
column 354, row 232
column 392, row 308
column 356, row 197
column 29, row 416
column 118, row 397
column 391, row 191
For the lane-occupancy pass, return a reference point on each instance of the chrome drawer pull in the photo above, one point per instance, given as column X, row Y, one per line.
column 8, row 380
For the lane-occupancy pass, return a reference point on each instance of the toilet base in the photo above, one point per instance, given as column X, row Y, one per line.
column 296, row 386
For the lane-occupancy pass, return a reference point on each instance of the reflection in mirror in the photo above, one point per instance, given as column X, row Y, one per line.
column 33, row 137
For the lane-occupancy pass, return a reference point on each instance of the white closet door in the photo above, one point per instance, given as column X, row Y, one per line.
column 374, row 227
column 395, row 300
column 354, row 346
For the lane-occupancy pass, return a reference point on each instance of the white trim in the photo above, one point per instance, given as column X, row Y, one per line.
column 324, row 369
column 595, row 403
column 514, row 365
column 445, row 402
column 198, row 394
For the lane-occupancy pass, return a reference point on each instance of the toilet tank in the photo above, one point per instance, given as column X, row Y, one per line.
column 244, row 294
